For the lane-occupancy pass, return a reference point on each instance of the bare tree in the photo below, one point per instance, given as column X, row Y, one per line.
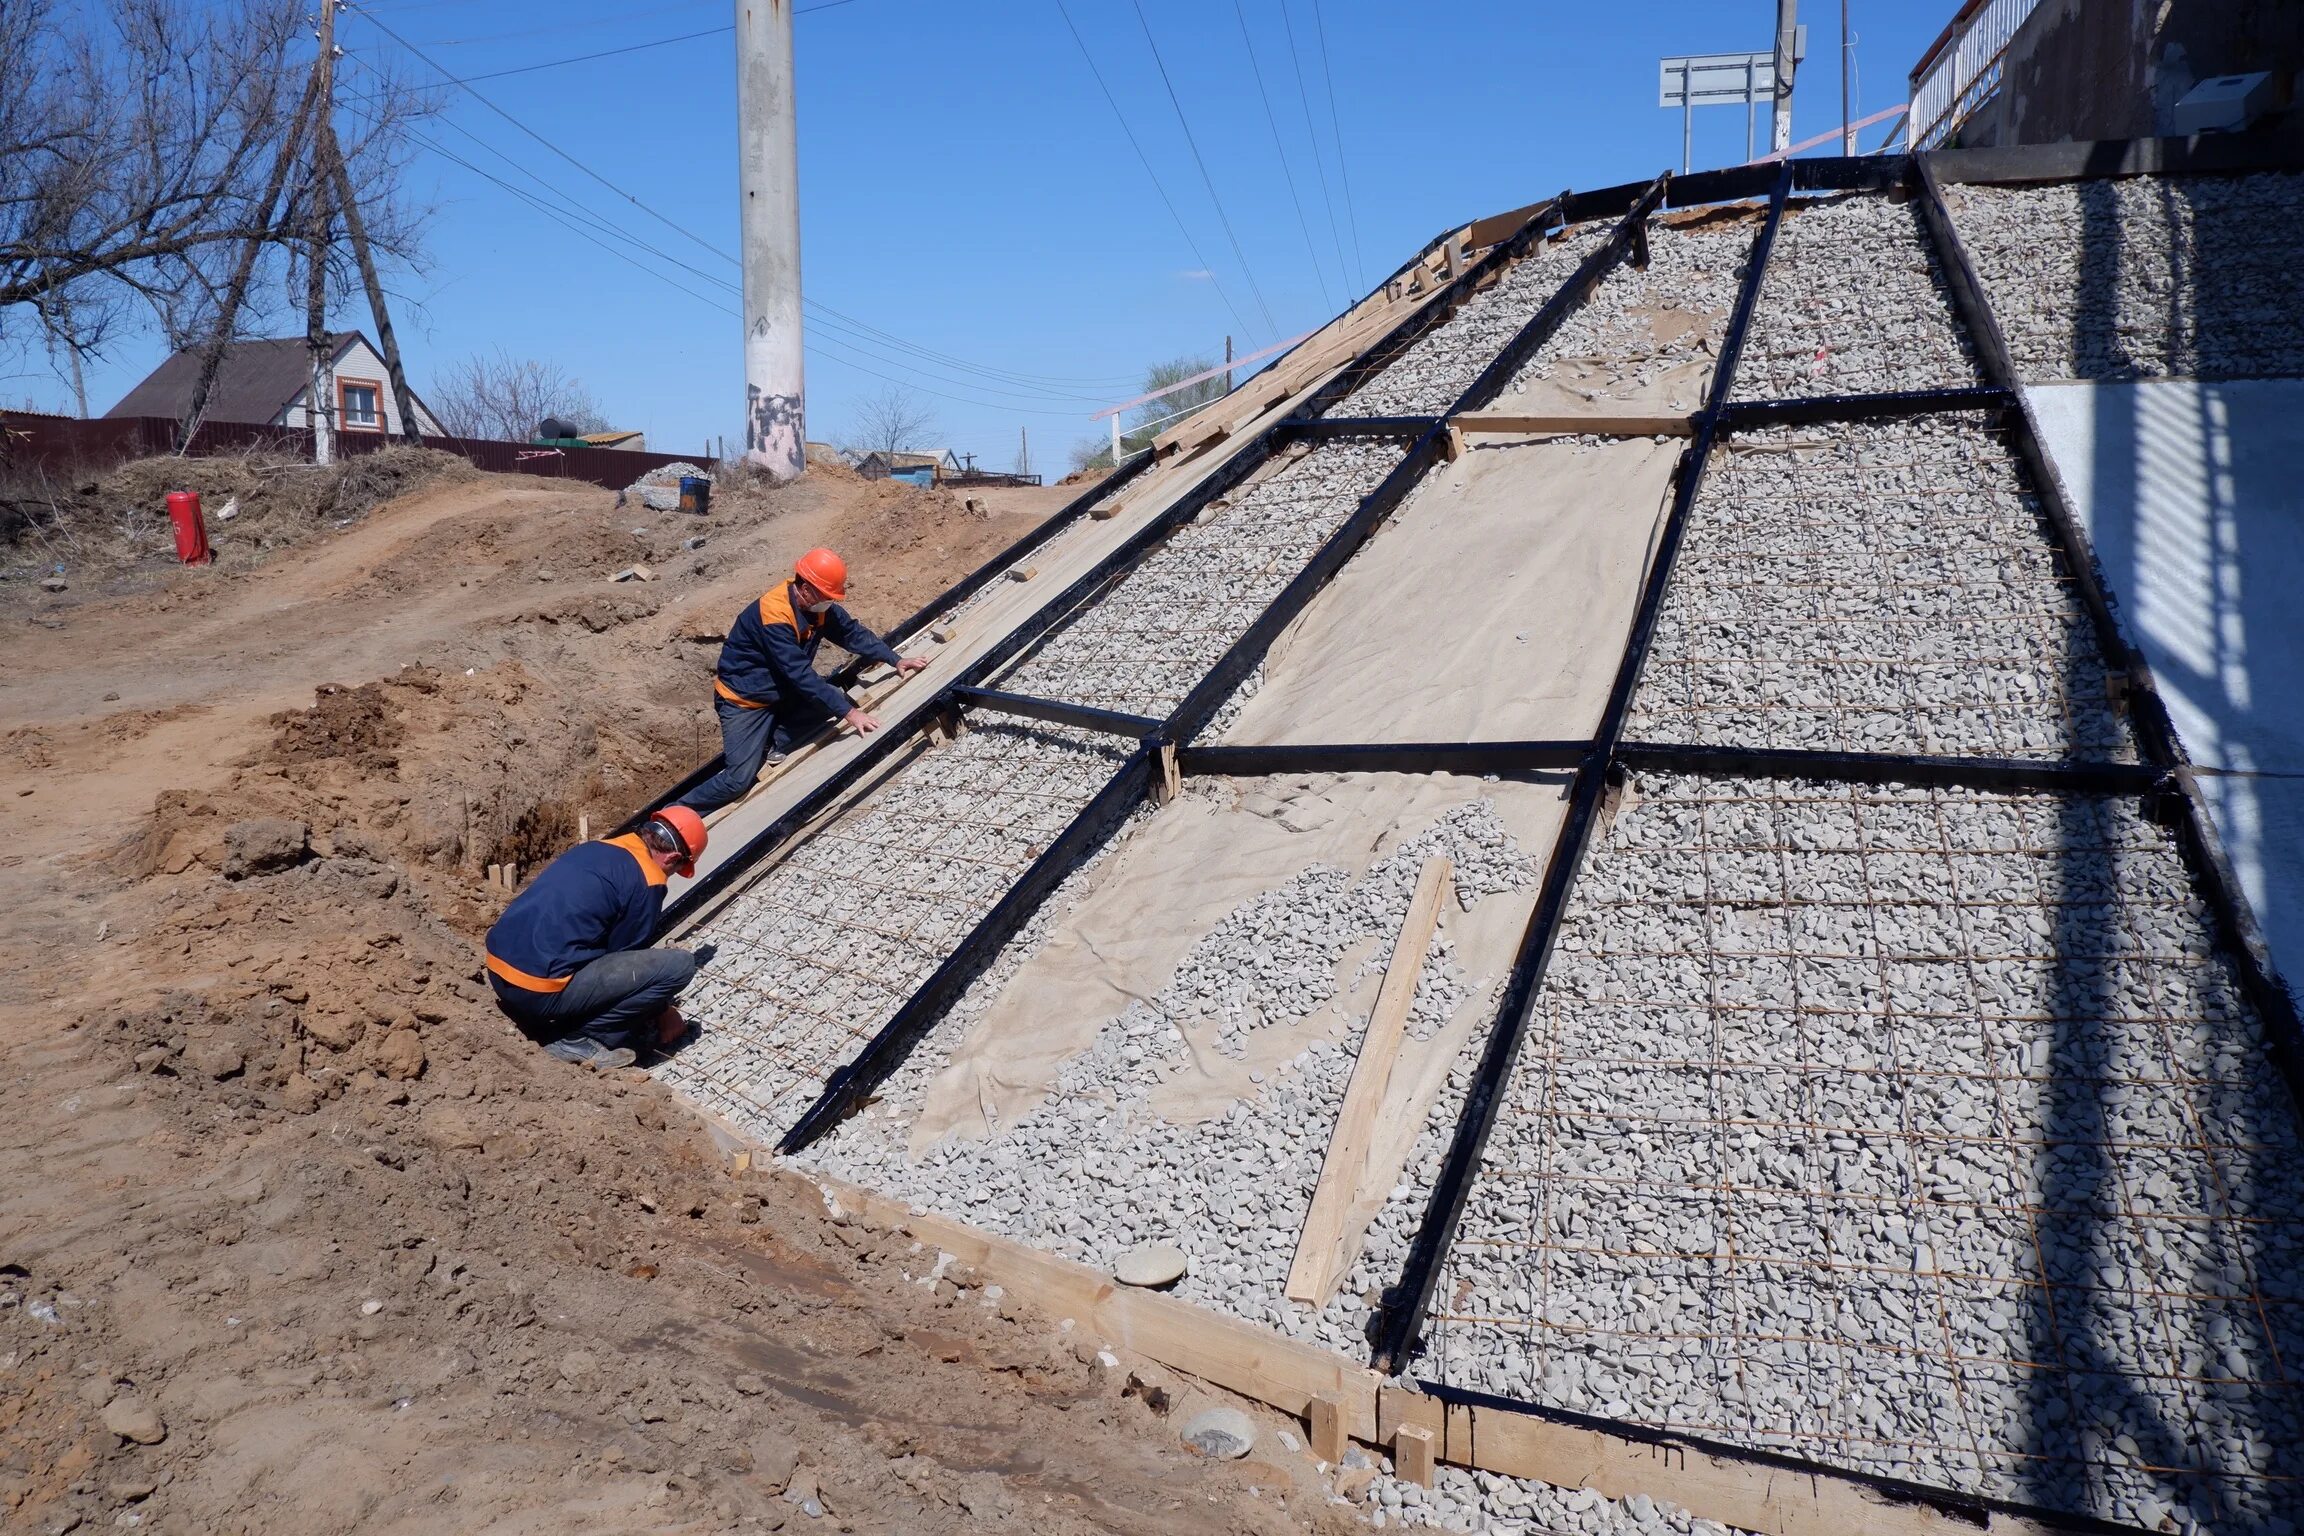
column 893, row 420
column 151, row 165
column 1155, row 416
column 503, row 398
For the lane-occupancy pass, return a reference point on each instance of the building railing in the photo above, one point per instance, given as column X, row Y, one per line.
column 1961, row 71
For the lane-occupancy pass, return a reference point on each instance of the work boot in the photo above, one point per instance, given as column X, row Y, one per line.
column 584, row 1051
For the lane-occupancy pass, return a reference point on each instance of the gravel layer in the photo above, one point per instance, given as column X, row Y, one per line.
column 1643, row 322
column 1882, row 587
column 1095, row 1170
column 1426, row 379
column 1150, row 641
column 2143, row 277
column 1919, row 1132
column 818, row 954
column 1514, row 1506
column 1854, row 304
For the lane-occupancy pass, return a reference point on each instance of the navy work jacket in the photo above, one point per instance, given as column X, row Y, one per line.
column 770, row 653
column 596, row 899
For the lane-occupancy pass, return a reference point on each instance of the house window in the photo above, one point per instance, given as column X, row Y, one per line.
column 358, row 405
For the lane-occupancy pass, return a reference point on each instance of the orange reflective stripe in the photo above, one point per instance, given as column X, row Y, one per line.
column 776, row 608
column 735, row 698
column 523, row 980
column 631, row 844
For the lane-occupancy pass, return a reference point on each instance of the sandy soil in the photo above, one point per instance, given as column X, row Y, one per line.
column 296, row 1234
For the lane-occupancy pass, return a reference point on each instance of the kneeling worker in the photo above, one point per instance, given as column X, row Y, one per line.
column 569, row 957
column 771, row 697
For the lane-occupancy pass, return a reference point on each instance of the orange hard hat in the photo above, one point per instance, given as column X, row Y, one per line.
column 688, row 828
column 825, row 571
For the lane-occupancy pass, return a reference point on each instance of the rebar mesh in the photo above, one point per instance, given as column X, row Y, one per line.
column 1884, row 586
column 1916, row 1131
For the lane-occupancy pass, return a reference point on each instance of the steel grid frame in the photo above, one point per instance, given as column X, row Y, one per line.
column 2164, row 780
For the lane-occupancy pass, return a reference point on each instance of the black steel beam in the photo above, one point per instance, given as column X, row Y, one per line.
column 1497, row 757
column 847, row 1087
column 1402, row 1315
column 2008, row 773
column 1974, row 1509
column 1057, row 712
column 1847, row 173
column 2276, row 145
column 2194, row 826
column 951, row 597
column 1746, row 415
column 1732, row 184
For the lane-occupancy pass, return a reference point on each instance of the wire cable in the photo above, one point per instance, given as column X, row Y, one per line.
column 1271, row 327
column 1157, row 186
column 1319, row 273
column 1319, row 162
column 1336, row 129
column 586, row 58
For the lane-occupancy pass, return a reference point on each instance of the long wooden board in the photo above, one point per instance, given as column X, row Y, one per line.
column 1320, row 1247
column 1594, row 423
column 1281, row 1373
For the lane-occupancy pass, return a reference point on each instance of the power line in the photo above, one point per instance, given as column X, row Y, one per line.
column 1157, row 186
column 1030, row 381
column 1319, row 273
column 1319, row 162
column 605, row 53
column 1336, row 129
column 1272, row 327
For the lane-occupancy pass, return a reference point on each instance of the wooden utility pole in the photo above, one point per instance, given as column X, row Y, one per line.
column 320, row 399
column 1227, row 365
column 410, row 430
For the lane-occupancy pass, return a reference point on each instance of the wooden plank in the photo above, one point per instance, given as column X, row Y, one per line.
column 1412, row 1452
column 1775, row 1500
column 1171, row 783
column 1596, row 423
column 1260, row 1364
column 1240, row 1357
column 1320, row 1247
column 1500, row 227
column 1324, row 1423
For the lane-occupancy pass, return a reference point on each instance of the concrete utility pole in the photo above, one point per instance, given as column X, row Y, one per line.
column 768, row 175
column 1787, row 42
column 320, row 399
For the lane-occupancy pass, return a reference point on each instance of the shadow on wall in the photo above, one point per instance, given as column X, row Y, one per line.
column 2169, row 1333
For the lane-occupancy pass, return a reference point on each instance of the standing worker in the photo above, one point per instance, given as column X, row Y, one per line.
column 569, row 957
column 771, row 698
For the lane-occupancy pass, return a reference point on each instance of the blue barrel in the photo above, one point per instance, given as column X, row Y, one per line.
column 695, row 494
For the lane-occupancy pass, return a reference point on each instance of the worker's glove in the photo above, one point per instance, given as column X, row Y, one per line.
column 702, row 954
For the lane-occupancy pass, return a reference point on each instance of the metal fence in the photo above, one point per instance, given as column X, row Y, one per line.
column 1962, row 71
column 69, row 446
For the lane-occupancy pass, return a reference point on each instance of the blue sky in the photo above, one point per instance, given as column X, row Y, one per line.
column 974, row 222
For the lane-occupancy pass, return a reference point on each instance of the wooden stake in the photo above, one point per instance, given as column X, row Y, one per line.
column 1023, row 572
column 511, row 877
column 1325, row 1422
column 1320, row 1247
column 495, row 874
column 1454, row 449
column 1412, row 1454
column 583, row 827
column 1171, row 782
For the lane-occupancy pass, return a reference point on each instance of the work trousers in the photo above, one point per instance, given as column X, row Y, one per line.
column 747, row 736
column 613, row 1000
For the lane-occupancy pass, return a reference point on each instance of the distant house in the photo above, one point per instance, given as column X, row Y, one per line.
column 269, row 383
column 912, row 468
column 829, row 453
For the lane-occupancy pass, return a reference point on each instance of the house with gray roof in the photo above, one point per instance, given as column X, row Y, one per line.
column 269, row 382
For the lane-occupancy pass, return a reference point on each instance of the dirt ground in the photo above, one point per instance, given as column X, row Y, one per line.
column 296, row 1234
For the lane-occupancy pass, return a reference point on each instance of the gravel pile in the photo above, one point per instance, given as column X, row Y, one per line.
column 1647, row 321
column 817, row 955
column 1918, row 1132
column 1426, row 379
column 1150, row 641
column 1854, row 303
column 1884, row 587
column 2143, row 277
column 659, row 489
column 1094, row 1171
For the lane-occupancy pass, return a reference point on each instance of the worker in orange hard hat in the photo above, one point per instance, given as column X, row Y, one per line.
column 569, row 958
column 771, row 698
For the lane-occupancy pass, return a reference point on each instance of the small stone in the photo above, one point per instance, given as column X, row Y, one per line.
column 53, row 583
column 1151, row 1265
column 578, row 1367
column 400, row 1055
column 263, row 845
column 302, row 1095
column 132, row 1418
column 774, row 1460
column 215, row 1058
column 1224, row 1433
